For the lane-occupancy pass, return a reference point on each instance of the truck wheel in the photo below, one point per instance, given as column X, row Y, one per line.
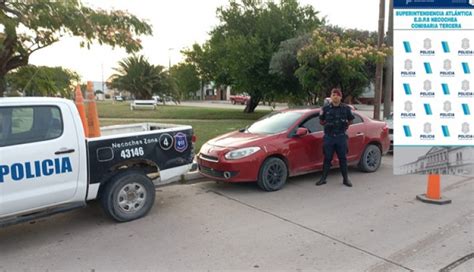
column 273, row 174
column 371, row 159
column 128, row 196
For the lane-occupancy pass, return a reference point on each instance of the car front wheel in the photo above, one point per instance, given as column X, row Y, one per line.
column 371, row 159
column 273, row 174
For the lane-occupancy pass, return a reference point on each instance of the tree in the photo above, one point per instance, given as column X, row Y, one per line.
column 242, row 45
column 28, row 26
column 186, row 80
column 284, row 64
column 337, row 59
column 42, row 81
column 137, row 76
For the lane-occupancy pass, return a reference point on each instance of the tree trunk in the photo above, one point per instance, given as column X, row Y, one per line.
column 252, row 104
column 3, row 84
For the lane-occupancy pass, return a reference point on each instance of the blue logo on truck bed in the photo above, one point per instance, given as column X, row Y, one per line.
column 36, row 169
column 180, row 142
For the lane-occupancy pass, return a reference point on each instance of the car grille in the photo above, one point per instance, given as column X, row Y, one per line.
column 214, row 173
column 390, row 130
column 209, row 158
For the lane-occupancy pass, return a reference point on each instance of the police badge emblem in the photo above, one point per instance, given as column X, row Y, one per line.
column 427, row 128
column 447, row 65
column 408, row 106
column 447, row 106
column 465, row 128
column 465, row 43
column 427, row 85
column 427, row 44
column 465, row 85
column 408, row 65
column 180, row 142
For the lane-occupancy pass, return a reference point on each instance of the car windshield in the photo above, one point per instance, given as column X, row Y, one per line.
column 274, row 122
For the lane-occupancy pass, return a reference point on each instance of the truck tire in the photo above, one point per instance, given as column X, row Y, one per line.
column 128, row 196
column 371, row 159
column 272, row 175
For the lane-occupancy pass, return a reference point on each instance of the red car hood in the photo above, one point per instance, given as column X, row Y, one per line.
column 237, row 139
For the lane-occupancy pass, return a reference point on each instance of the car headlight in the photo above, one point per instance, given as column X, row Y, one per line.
column 241, row 153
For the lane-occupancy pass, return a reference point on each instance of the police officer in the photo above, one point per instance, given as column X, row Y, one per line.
column 336, row 118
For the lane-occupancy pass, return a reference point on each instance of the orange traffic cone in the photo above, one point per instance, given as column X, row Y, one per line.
column 433, row 192
column 82, row 111
column 92, row 115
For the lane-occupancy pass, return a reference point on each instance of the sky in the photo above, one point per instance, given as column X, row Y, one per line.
column 177, row 25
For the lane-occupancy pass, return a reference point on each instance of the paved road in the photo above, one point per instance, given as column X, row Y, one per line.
column 375, row 226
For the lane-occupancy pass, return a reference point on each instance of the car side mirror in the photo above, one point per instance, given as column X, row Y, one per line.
column 302, row 132
column 243, row 129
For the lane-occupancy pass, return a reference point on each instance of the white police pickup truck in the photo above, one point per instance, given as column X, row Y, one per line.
column 48, row 166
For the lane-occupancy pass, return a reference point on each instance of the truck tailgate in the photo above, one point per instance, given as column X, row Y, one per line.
column 164, row 149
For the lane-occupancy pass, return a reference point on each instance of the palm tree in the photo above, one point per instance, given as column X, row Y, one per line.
column 137, row 76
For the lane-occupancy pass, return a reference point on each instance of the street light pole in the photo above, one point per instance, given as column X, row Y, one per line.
column 388, row 90
column 169, row 58
column 379, row 68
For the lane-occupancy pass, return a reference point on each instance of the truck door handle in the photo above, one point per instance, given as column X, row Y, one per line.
column 360, row 133
column 64, row 151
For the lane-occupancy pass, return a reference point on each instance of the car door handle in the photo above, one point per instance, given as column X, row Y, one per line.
column 360, row 133
column 64, row 151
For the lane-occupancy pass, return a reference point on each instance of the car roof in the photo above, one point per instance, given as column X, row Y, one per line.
column 311, row 110
column 302, row 110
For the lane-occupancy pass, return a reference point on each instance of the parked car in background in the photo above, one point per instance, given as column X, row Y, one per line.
column 389, row 122
column 285, row 144
column 118, row 98
column 157, row 98
column 239, row 99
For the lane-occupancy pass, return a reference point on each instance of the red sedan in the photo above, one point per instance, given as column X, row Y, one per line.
column 239, row 99
column 285, row 144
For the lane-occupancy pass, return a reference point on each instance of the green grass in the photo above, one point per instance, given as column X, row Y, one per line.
column 206, row 122
column 122, row 110
column 203, row 129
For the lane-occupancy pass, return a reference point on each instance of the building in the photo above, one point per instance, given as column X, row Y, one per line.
column 211, row 92
column 451, row 160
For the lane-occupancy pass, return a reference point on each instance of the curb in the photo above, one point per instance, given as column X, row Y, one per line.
column 191, row 176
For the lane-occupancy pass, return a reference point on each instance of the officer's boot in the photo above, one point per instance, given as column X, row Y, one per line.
column 322, row 180
column 345, row 178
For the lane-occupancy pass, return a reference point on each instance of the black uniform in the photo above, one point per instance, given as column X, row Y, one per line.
column 336, row 120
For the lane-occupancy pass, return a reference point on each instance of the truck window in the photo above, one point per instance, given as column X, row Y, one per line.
column 21, row 125
column 22, row 120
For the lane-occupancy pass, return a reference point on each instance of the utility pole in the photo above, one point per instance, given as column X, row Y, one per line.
column 169, row 59
column 388, row 89
column 103, row 83
column 379, row 68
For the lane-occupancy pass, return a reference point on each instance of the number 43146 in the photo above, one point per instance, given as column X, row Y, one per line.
column 132, row 153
